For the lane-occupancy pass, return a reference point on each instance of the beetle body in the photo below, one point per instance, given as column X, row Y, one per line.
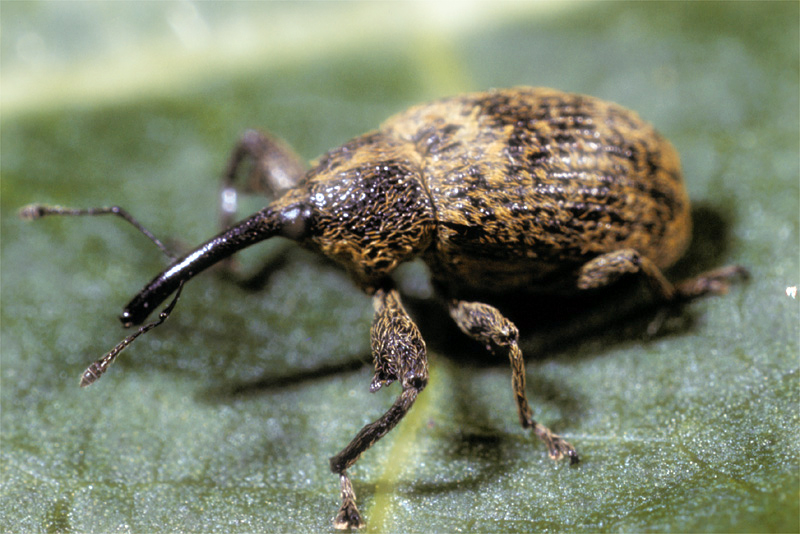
column 505, row 190
column 516, row 190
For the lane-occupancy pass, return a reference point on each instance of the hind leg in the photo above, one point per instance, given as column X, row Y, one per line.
column 608, row 268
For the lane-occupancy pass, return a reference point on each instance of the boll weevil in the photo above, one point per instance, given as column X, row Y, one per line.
column 517, row 190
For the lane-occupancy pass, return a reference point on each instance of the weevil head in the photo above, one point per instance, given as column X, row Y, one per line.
column 368, row 208
column 364, row 205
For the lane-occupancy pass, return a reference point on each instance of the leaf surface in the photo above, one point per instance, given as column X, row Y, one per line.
column 223, row 419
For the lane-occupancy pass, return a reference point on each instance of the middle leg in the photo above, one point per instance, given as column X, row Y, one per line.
column 486, row 324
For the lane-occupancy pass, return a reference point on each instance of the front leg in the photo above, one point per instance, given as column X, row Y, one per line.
column 399, row 353
column 486, row 324
column 259, row 163
column 275, row 169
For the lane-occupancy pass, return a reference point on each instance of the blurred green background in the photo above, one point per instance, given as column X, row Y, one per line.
column 223, row 419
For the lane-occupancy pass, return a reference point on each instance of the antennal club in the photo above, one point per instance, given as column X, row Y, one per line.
column 96, row 370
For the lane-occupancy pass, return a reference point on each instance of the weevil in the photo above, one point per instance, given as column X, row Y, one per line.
column 522, row 190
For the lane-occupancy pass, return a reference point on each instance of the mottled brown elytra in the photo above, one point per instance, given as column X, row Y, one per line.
column 523, row 189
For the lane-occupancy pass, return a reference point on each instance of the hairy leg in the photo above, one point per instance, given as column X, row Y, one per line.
column 487, row 325
column 608, row 268
column 400, row 355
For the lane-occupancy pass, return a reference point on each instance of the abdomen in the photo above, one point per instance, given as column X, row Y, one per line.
column 528, row 184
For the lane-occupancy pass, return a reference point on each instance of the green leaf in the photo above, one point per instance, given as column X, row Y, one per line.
column 223, row 419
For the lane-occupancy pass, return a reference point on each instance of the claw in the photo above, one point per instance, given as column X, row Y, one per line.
column 557, row 448
column 716, row 282
column 348, row 518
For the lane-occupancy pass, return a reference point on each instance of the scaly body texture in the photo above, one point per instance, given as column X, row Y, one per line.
column 530, row 184
column 513, row 189
column 516, row 190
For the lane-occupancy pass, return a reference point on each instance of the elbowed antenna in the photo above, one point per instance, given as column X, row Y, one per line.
column 288, row 222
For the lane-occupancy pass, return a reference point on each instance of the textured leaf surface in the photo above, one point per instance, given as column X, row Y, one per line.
column 223, row 419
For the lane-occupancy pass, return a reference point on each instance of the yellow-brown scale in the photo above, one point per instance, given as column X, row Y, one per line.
column 529, row 184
